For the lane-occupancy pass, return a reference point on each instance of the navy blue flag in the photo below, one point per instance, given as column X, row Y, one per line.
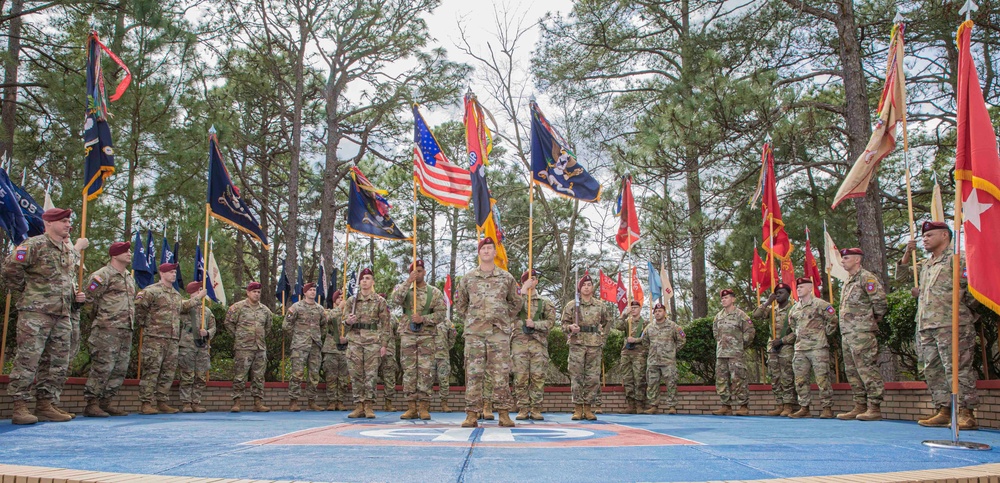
column 98, row 149
column 352, row 284
column 151, row 255
column 179, row 281
column 140, row 263
column 224, row 197
column 166, row 254
column 368, row 211
column 12, row 219
column 31, row 209
column 199, row 265
column 554, row 165
column 297, row 291
column 283, row 291
column 332, row 286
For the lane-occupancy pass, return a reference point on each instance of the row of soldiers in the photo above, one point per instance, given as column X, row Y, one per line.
column 801, row 342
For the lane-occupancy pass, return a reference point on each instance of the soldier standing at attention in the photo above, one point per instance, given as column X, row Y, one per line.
column 111, row 302
column 862, row 306
column 633, row 358
column 388, row 367
column 335, row 358
column 41, row 269
column 193, row 357
column 779, row 356
column 444, row 340
column 733, row 331
column 665, row 338
column 158, row 309
column 249, row 321
column 588, row 324
column 812, row 320
column 529, row 347
column 487, row 302
column 367, row 319
column 305, row 322
column 934, row 305
column 417, row 339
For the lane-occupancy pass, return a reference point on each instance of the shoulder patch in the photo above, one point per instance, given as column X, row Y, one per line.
column 96, row 282
column 870, row 285
column 140, row 295
column 681, row 332
column 830, row 309
column 21, row 253
column 965, row 272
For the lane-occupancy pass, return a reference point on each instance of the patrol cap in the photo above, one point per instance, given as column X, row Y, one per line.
column 802, row 280
column 308, row 286
column 934, row 225
column 484, row 242
column 525, row 275
column 726, row 291
column 56, row 214
column 659, row 306
column 420, row 264
column 253, row 286
column 783, row 286
column 852, row 251
column 192, row 287
column 583, row 279
column 117, row 248
column 167, row 267
column 366, row 271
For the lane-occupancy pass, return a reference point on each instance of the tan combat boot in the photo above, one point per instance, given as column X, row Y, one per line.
column 369, row 411
column 424, row 410
column 165, row 408
column 967, row 419
column 359, row 411
column 536, row 414
column 340, row 406
column 940, row 419
column 744, row 410
column 929, row 416
column 488, row 410
column 577, row 412
column 588, row 414
column 293, row 406
column 852, row 414
column 444, row 406
column 21, row 414
column 523, row 414
column 672, row 410
column 651, row 410
column 332, row 406
column 874, row 413
column 111, row 410
column 147, row 408
column 55, row 405
column 93, row 409
column 786, row 410
column 776, row 411
column 236, row 405
column 722, row 411
column 387, row 407
column 597, row 409
column 471, row 419
column 198, row 408
column 803, row 412
column 411, row 411
column 630, row 406
column 505, row 421
column 259, row 407
column 313, row 406
column 45, row 412
column 826, row 414
column 186, row 408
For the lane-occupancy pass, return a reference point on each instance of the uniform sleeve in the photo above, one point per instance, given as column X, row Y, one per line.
column 514, row 299
column 679, row 337
column 189, row 304
column 715, row 326
column 548, row 318
column 462, row 298
column 748, row 330
column 14, row 267
column 760, row 312
column 966, row 297
column 878, row 299
column 439, row 311
column 385, row 335
column 143, row 302
column 568, row 313
column 290, row 318
column 904, row 274
column 210, row 323
column 398, row 295
column 94, row 293
column 607, row 316
column 830, row 317
column 789, row 338
column 270, row 320
column 232, row 318
column 621, row 323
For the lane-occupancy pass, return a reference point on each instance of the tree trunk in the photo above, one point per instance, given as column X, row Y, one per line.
column 328, row 203
column 292, row 221
column 699, row 289
column 12, row 62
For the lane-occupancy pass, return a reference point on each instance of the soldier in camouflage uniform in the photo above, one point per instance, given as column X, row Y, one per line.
column 487, row 302
column 633, row 358
column 111, row 304
column 249, row 321
column 335, row 358
column 733, row 330
column 388, row 365
column 529, row 347
column 444, row 340
column 862, row 306
column 417, row 339
column 368, row 336
column 41, row 269
column 779, row 357
column 812, row 320
column 934, row 330
column 587, row 324
column 664, row 338
column 158, row 310
column 304, row 324
column 193, row 352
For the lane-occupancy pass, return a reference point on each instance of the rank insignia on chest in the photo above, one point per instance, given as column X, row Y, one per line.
column 870, row 285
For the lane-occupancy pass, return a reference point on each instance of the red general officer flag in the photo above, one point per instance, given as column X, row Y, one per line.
column 447, row 290
column 812, row 269
column 622, row 299
column 977, row 164
column 609, row 289
column 760, row 274
column 775, row 237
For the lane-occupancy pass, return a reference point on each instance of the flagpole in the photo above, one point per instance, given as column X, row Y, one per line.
column 83, row 234
column 6, row 322
column 414, row 308
column 343, row 288
column 204, row 264
column 531, row 233
column 770, row 258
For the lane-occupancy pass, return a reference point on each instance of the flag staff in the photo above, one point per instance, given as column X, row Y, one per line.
column 899, row 27
column 415, row 202
column 531, row 233
column 208, row 217
column 347, row 246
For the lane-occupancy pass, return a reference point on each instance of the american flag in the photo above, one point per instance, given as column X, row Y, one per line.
column 438, row 178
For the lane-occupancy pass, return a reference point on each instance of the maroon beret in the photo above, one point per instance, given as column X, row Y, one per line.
column 934, row 225
column 117, row 248
column 167, row 267
column 56, row 214
column 420, row 263
column 802, row 280
column 524, row 276
column 784, row 286
column 192, row 287
column 636, row 303
column 852, row 251
column 726, row 291
column 366, row 271
column 584, row 279
column 306, row 287
column 253, row 286
column 336, row 295
column 659, row 306
column 485, row 241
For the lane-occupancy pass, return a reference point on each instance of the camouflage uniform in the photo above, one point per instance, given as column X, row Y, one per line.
column 586, row 347
column 733, row 331
column 388, row 366
column 305, row 323
column 664, row 339
column 779, row 364
column 811, row 323
column 365, row 338
column 249, row 324
column 444, row 340
column 42, row 270
column 45, row 362
column 862, row 300
column 158, row 310
column 193, row 361
column 487, row 303
column 334, row 360
column 111, row 303
column 416, row 349
column 633, row 360
column 934, row 332
column 530, row 352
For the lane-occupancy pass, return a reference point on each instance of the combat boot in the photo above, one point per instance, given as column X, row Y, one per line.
column 588, row 414
column 313, row 406
column 967, row 419
column 55, row 406
column 411, row 411
column 471, row 419
column 187, row 408
column 93, row 409
column 852, row 414
column 505, row 421
column 803, row 412
column 776, row 411
column 874, row 413
column 488, row 411
column 522, row 414
column 340, row 407
column 236, row 405
column 332, row 406
column 744, row 410
column 940, row 419
column 786, row 410
column 651, row 410
column 826, row 414
column 597, row 409
column 111, row 410
column 369, row 411
column 424, row 410
column 21, row 414
column 577, row 412
column 163, row 407
column 45, row 412
column 672, row 410
column 293, row 406
column 147, row 408
column 198, row 408
column 388, row 406
column 259, row 407
column 359, row 411
column 630, row 406
column 536, row 414
column 444, row 406
column 722, row 411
